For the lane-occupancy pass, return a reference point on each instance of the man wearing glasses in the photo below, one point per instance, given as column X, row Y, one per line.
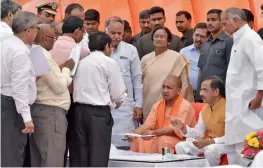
column 207, row 137
column 48, row 142
column 18, row 89
column 192, row 52
column 47, row 12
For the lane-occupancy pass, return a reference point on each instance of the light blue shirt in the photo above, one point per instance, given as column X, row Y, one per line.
column 192, row 54
column 127, row 57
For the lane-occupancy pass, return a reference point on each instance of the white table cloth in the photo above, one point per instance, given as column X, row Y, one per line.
column 121, row 158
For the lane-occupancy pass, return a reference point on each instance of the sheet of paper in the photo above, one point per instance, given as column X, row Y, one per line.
column 38, row 60
column 75, row 55
column 137, row 135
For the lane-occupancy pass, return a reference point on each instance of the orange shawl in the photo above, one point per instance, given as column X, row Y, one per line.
column 161, row 112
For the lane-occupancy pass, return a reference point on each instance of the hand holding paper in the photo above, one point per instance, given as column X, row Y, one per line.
column 75, row 55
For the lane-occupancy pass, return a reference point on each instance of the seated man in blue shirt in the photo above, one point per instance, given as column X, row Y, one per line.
column 192, row 52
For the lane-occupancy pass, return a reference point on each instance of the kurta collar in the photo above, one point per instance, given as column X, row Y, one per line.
column 222, row 36
column 219, row 104
column 4, row 24
column 67, row 38
column 240, row 31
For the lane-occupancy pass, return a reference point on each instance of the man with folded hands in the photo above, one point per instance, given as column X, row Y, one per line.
column 158, row 122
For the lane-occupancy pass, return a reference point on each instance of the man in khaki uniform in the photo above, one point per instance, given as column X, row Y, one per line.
column 46, row 12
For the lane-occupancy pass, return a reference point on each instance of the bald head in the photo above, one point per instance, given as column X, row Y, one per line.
column 175, row 80
column 46, row 36
column 171, row 88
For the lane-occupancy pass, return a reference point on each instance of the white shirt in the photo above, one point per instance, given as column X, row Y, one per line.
column 199, row 131
column 98, row 81
column 244, row 79
column 17, row 75
column 85, row 42
column 5, row 31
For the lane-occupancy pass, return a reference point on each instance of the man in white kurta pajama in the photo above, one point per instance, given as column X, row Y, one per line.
column 244, row 81
column 128, row 60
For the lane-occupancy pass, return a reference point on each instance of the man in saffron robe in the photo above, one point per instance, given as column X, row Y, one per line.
column 158, row 123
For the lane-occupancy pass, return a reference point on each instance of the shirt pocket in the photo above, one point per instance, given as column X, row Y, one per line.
column 125, row 67
column 217, row 57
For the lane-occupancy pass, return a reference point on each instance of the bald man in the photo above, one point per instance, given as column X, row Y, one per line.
column 158, row 122
column 48, row 142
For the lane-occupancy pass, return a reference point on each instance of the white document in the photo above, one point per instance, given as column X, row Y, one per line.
column 75, row 55
column 38, row 60
column 137, row 135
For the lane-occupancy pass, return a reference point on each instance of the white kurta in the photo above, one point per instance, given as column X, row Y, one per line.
column 128, row 60
column 244, row 79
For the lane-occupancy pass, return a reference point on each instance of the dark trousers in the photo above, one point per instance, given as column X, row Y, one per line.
column 27, row 161
column 13, row 141
column 92, row 134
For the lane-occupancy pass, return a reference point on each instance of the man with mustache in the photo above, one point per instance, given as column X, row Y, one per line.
column 192, row 52
column 215, row 54
column 157, row 19
column 144, row 21
column 183, row 24
column 207, row 136
column 130, row 112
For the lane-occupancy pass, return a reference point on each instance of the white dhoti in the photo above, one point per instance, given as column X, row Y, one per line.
column 211, row 152
column 258, row 161
column 123, row 123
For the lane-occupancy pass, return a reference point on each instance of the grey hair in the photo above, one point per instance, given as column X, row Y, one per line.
column 113, row 19
column 235, row 12
column 8, row 6
column 23, row 21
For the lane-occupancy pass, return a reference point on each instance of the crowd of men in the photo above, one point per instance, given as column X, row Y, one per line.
column 144, row 84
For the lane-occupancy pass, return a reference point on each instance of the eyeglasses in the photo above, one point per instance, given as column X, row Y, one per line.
column 199, row 36
column 54, row 38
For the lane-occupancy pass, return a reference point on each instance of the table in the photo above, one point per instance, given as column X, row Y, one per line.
column 132, row 159
column 182, row 163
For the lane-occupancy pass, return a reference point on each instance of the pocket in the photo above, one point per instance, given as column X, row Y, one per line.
column 218, row 57
column 39, row 123
column 61, row 123
column 107, row 120
column 125, row 67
